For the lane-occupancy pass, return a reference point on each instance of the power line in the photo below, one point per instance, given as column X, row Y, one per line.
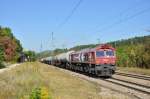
column 131, row 7
column 148, row 30
column 125, row 11
column 120, row 15
column 65, row 20
column 119, row 18
column 123, row 20
column 70, row 15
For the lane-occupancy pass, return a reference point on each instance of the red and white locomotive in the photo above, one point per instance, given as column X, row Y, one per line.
column 100, row 61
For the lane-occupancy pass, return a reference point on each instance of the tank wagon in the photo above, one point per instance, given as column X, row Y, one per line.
column 100, row 60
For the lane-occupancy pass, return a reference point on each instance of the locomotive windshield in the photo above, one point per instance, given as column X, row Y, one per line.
column 100, row 53
column 104, row 53
column 109, row 53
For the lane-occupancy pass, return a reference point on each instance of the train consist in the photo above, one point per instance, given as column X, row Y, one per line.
column 99, row 61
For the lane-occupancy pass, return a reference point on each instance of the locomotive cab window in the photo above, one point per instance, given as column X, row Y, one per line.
column 100, row 53
column 110, row 53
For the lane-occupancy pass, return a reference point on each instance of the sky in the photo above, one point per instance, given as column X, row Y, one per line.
column 74, row 22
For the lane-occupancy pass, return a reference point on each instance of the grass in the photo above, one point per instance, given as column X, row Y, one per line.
column 135, row 70
column 19, row 82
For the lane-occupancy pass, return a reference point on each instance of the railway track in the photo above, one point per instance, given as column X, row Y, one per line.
column 131, row 82
column 133, row 75
column 139, row 90
column 128, row 87
column 131, row 85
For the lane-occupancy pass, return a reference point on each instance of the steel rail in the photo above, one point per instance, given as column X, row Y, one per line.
column 127, row 86
column 133, row 75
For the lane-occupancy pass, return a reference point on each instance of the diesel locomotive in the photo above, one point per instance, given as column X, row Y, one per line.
column 100, row 61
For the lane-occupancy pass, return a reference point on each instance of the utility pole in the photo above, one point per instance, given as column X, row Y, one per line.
column 52, row 45
column 41, row 47
column 52, row 40
column 115, row 44
column 64, row 47
column 131, row 42
column 98, row 40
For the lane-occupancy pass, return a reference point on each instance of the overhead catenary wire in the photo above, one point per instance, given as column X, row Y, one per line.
column 129, row 17
column 65, row 20
column 124, row 12
column 69, row 15
column 120, row 21
column 123, row 20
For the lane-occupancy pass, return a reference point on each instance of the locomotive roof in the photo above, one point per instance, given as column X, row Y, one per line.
column 102, row 46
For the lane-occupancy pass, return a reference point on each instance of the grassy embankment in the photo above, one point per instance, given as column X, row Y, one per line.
column 19, row 82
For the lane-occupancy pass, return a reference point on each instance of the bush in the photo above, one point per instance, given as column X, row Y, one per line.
column 1, row 58
column 2, row 65
column 40, row 93
column 31, row 55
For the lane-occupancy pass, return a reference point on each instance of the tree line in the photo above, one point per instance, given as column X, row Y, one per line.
column 10, row 47
column 134, row 52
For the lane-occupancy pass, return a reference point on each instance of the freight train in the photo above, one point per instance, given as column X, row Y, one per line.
column 100, row 61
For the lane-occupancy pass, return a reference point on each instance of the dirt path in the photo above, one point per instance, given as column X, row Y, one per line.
column 9, row 67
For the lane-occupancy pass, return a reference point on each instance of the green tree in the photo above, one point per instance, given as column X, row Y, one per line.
column 11, row 46
column 1, row 57
column 31, row 55
column 6, row 32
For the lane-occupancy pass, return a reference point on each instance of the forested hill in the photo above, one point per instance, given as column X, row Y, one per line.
column 131, row 41
column 134, row 52
column 10, row 46
column 123, row 42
